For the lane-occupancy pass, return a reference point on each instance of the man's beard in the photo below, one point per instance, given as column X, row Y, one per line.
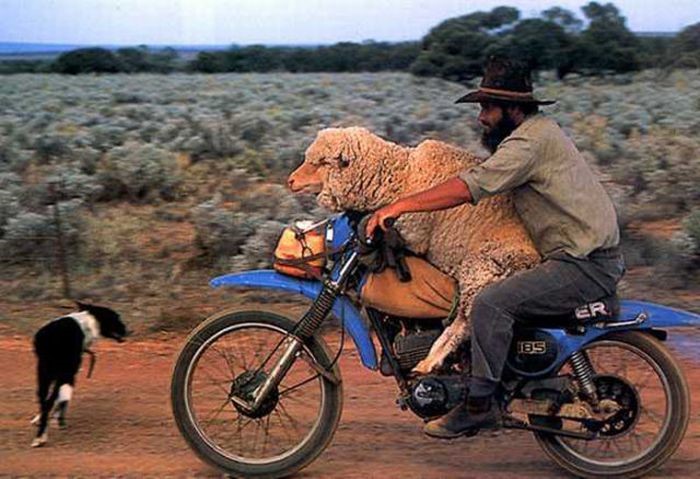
column 492, row 138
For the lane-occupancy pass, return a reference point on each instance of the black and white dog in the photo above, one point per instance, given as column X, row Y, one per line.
column 59, row 347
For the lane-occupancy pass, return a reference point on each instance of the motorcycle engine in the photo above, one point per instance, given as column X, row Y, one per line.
column 433, row 396
column 411, row 340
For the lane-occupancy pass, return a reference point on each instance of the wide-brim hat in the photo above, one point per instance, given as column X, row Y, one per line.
column 505, row 81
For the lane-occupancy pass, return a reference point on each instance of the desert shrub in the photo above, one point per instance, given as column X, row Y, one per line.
column 640, row 128
column 138, row 173
column 48, row 147
column 274, row 203
column 9, row 208
column 220, row 232
column 257, row 250
column 32, row 236
column 86, row 159
column 214, row 139
column 105, row 137
column 666, row 164
column 27, row 234
column 691, row 227
column 247, row 235
column 253, row 130
column 676, row 262
column 71, row 183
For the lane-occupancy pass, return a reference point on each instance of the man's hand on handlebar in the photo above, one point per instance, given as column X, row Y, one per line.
column 383, row 218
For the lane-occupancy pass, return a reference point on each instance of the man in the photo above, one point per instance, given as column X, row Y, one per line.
column 567, row 212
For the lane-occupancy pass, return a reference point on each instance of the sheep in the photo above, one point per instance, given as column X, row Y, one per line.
column 351, row 168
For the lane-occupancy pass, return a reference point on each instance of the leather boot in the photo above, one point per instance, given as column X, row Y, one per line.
column 466, row 419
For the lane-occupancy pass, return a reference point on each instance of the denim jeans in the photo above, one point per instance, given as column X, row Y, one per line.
column 556, row 286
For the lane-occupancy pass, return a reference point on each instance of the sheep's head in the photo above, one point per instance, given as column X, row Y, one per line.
column 345, row 168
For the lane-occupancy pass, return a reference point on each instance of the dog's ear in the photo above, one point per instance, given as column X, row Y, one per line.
column 82, row 306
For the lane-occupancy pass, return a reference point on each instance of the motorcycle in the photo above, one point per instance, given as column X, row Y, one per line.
column 256, row 393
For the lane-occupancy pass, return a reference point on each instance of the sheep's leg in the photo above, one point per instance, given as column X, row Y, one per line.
column 475, row 273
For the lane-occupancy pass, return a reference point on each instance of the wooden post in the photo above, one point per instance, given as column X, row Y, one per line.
column 62, row 256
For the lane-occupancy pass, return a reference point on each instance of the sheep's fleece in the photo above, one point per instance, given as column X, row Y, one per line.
column 351, row 168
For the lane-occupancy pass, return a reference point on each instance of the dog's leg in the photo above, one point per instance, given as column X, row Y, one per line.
column 42, row 435
column 65, row 393
column 42, row 392
column 476, row 272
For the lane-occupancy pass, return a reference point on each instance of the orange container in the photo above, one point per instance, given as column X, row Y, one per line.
column 301, row 253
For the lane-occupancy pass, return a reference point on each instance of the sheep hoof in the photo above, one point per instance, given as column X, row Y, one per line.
column 426, row 366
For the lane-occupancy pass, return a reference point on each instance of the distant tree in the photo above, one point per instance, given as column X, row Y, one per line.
column 655, row 52
column 162, row 61
column 457, row 48
column 208, row 62
column 607, row 44
column 564, row 18
column 686, row 47
column 254, row 58
column 134, row 60
column 24, row 66
column 87, row 60
column 340, row 57
column 541, row 44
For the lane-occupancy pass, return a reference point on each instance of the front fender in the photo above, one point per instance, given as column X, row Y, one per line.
column 343, row 309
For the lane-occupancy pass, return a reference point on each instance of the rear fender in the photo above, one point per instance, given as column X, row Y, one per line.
column 641, row 316
column 343, row 309
column 657, row 316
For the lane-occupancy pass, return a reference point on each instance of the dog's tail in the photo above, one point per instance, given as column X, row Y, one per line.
column 93, row 360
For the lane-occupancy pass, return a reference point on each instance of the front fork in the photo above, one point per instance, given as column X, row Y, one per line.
column 305, row 329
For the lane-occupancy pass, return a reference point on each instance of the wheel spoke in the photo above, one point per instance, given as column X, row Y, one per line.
column 652, row 415
column 226, row 359
column 216, row 382
column 292, row 421
column 628, row 374
column 234, row 362
column 287, row 391
column 209, row 420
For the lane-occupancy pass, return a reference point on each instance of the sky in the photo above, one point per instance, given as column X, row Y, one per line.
column 223, row 22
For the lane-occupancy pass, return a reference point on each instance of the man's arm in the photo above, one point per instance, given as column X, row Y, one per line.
column 453, row 192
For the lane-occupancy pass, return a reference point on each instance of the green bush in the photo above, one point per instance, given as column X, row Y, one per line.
column 87, row 60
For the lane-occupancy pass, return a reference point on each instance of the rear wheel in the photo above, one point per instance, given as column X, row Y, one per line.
column 636, row 371
column 231, row 354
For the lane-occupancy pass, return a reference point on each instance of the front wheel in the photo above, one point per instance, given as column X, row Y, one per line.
column 230, row 354
column 636, row 371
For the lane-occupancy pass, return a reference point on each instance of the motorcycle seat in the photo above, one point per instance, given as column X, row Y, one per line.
column 603, row 310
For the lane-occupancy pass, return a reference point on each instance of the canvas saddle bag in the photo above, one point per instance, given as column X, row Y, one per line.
column 429, row 294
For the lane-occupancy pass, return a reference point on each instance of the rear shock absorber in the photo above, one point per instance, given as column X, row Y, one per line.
column 584, row 374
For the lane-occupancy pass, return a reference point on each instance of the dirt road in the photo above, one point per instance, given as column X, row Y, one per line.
column 120, row 424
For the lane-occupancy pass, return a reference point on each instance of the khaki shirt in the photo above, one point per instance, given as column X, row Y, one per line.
column 562, row 203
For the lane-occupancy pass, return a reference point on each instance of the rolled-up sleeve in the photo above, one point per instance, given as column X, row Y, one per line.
column 509, row 167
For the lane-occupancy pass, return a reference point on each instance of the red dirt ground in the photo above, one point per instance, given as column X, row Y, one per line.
column 120, row 425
